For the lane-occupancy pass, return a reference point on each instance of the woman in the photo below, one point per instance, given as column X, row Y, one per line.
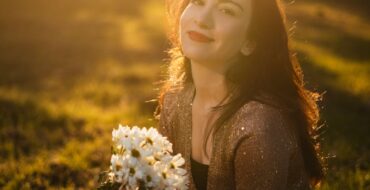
column 234, row 103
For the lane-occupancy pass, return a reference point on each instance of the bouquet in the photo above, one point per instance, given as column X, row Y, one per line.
column 141, row 159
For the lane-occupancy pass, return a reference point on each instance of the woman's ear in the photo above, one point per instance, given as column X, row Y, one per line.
column 248, row 47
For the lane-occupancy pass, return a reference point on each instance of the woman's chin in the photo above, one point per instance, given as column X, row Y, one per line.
column 199, row 57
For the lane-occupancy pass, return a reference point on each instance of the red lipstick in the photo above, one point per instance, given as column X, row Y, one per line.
column 198, row 37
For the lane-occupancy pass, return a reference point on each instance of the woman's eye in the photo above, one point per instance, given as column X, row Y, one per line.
column 197, row 2
column 227, row 11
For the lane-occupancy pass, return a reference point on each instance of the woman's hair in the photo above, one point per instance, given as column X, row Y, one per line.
column 271, row 69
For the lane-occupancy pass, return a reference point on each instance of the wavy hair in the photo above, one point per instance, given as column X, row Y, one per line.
column 271, row 69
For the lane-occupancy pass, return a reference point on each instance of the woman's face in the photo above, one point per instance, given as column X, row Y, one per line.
column 214, row 31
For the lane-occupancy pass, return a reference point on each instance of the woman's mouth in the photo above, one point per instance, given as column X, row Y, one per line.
column 198, row 37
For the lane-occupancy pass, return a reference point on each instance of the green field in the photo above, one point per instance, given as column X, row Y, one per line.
column 71, row 71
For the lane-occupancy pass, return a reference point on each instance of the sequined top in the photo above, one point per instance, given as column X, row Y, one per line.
column 253, row 150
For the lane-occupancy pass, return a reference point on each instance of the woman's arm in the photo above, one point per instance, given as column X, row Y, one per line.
column 163, row 128
column 167, row 110
column 261, row 158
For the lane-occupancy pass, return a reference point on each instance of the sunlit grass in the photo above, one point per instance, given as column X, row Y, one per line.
column 348, row 75
column 135, row 36
column 100, row 103
column 341, row 19
column 63, row 97
column 95, row 104
column 354, row 180
column 138, row 32
column 333, row 47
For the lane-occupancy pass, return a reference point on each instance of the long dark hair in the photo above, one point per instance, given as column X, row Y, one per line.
column 271, row 69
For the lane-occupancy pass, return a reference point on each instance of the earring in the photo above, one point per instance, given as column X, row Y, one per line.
column 247, row 49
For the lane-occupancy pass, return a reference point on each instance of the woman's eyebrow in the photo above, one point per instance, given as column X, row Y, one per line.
column 233, row 2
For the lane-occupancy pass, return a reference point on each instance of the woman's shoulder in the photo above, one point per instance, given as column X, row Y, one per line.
column 178, row 94
column 174, row 99
column 169, row 109
column 262, row 120
column 259, row 113
column 173, row 96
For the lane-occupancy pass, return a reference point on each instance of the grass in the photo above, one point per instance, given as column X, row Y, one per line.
column 71, row 71
column 333, row 44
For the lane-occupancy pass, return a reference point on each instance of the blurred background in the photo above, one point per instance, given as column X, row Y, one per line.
column 71, row 71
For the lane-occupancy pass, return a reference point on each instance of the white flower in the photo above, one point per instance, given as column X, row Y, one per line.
column 177, row 161
column 143, row 157
column 151, row 178
column 120, row 133
column 119, row 168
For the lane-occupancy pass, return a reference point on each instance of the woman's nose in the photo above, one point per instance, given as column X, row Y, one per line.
column 204, row 19
column 202, row 24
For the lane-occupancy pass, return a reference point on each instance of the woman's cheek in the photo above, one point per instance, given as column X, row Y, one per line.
column 235, row 31
column 185, row 17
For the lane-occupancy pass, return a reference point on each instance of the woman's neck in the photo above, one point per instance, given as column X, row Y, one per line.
column 210, row 85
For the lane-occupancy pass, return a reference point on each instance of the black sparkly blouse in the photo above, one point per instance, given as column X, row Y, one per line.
column 199, row 172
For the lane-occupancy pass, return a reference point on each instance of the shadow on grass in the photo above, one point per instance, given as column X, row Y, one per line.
column 27, row 128
column 53, row 175
column 362, row 7
column 345, row 134
column 338, row 42
column 348, row 38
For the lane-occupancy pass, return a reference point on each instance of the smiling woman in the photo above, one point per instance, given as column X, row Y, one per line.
column 234, row 103
column 229, row 21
